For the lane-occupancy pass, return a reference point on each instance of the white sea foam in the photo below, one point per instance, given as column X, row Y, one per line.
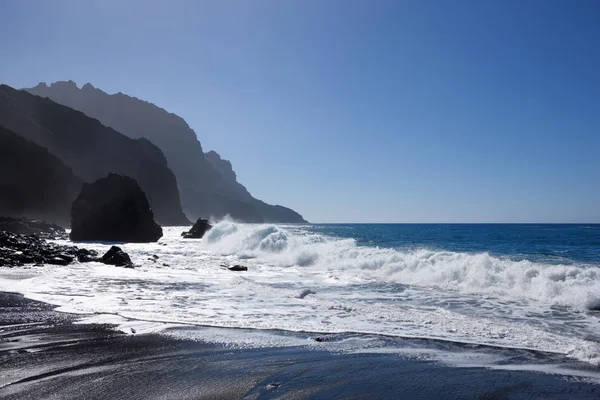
column 565, row 285
column 300, row 281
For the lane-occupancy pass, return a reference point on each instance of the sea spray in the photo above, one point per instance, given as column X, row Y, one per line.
column 574, row 286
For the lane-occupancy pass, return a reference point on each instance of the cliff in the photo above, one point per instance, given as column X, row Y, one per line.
column 33, row 182
column 266, row 211
column 207, row 184
column 93, row 150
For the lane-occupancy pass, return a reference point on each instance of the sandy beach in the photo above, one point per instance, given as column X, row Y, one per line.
column 43, row 354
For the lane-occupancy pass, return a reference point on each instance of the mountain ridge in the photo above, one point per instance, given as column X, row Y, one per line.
column 207, row 183
column 91, row 149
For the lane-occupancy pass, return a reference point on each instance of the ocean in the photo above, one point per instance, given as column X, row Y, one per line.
column 500, row 296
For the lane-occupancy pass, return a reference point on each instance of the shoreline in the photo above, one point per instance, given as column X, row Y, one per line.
column 44, row 354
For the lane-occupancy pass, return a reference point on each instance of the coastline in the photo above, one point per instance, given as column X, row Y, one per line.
column 44, row 354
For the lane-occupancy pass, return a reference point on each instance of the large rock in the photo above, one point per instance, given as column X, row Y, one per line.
column 198, row 230
column 116, row 256
column 113, row 209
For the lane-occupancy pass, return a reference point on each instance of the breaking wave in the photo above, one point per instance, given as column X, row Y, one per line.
column 301, row 281
column 576, row 286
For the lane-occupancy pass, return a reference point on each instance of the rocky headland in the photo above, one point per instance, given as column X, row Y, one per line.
column 88, row 148
column 208, row 185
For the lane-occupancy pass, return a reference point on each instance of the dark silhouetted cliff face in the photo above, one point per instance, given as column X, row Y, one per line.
column 207, row 184
column 33, row 182
column 93, row 150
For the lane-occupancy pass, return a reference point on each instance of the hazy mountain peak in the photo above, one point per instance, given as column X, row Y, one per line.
column 88, row 86
column 64, row 85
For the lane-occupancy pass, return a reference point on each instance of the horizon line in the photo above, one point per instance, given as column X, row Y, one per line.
column 454, row 223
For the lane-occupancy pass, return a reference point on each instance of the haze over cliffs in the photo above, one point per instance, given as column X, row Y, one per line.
column 91, row 149
column 207, row 184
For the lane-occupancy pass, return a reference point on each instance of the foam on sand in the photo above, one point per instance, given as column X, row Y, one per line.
column 299, row 281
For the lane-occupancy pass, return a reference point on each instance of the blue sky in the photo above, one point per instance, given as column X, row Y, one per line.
column 353, row 111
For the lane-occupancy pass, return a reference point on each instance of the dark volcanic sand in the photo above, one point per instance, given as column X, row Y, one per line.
column 44, row 356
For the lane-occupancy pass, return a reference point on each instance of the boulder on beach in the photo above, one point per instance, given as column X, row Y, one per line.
column 198, row 230
column 116, row 256
column 17, row 249
column 113, row 209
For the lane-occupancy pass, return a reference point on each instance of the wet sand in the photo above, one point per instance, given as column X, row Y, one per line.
column 43, row 355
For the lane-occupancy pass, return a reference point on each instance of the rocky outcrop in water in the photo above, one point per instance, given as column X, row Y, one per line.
column 113, row 209
column 207, row 183
column 90, row 149
column 198, row 230
column 33, row 182
column 116, row 256
column 18, row 249
column 236, row 268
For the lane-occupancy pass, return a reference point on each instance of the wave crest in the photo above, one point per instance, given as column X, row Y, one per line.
column 575, row 286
